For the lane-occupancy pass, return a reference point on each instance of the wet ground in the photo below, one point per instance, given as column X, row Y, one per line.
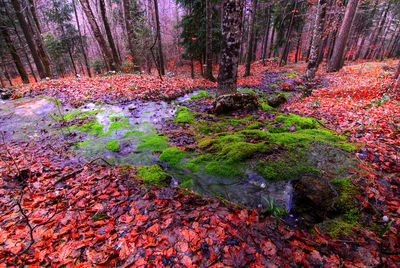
column 118, row 134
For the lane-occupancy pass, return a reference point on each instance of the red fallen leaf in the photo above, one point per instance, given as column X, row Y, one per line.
column 125, row 218
column 166, row 223
column 141, row 262
column 124, row 251
column 153, row 229
column 186, row 261
column 182, row 246
column 268, row 248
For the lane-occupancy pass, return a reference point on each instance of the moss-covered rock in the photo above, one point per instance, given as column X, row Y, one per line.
column 237, row 101
column 153, row 142
column 172, row 156
column 153, row 175
column 113, row 146
column 200, row 94
column 184, row 115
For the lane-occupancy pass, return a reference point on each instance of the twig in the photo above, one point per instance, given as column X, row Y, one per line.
column 67, row 176
column 31, row 229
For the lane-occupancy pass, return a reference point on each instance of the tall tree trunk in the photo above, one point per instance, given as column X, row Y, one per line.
column 381, row 49
column 365, row 32
column 288, row 34
column 3, row 65
column 271, row 43
column 14, row 54
column 39, row 42
column 319, row 24
column 19, row 40
column 158, row 33
column 116, row 59
column 29, row 39
column 341, row 40
column 266, row 35
column 376, row 33
column 397, row 73
column 97, row 33
column 32, row 8
column 386, row 50
column 129, row 29
column 230, row 45
column 298, row 48
column 85, row 58
column 251, row 37
column 208, row 71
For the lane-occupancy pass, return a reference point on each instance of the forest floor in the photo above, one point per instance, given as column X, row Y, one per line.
column 57, row 209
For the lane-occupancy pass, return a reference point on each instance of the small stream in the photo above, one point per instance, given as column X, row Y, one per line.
column 29, row 118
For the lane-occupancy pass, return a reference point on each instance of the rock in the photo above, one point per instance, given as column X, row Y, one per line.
column 131, row 107
column 236, row 101
column 5, row 93
column 314, row 197
column 277, row 100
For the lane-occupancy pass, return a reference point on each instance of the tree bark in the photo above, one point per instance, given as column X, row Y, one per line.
column 341, row 40
column 319, row 24
column 397, row 74
column 286, row 48
column 85, row 58
column 116, row 59
column 230, row 45
column 97, row 33
column 35, row 26
column 377, row 32
column 158, row 33
column 266, row 35
column 32, row 8
column 129, row 29
column 14, row 54
column 29, row 39
column 251, row 37
column 208, row 71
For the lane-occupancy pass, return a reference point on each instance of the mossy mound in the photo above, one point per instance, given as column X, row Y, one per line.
column 287, row 148
column 113, row 146
column 173, row 156
column 153, row 142
column 153, row 175
column 200, row 94
column 184, row 115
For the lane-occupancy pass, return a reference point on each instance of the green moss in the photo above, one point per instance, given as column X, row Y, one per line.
column 273, row 85
column 339, row 228
column 287, row 169
column 91, row 127
column 184, row 115
column 133, row 133
column 118, row 122
column 291, row 74
column 89, row 113
column 152, row 175
column 78, row 114
column 172, row 156
column 199, row 95
column 83, row 143
column 112, row 146
column 226, row 152
column 153, row 142
column 53, row 100
column 347, row 195
column 298, row 121
column 265, row 107
column 70, row 116
column 246, row 90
